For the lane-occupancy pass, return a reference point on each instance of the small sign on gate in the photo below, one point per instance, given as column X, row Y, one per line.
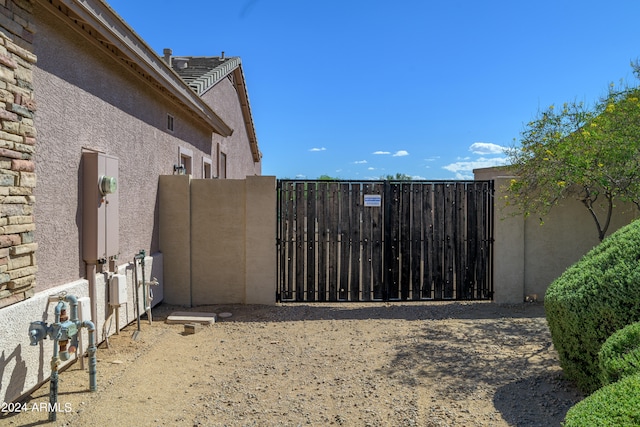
column 372, row 200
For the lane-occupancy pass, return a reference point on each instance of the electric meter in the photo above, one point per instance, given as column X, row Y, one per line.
column 107, row 185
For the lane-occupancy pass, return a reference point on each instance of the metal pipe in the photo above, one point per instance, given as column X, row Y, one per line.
column 55, row 363
column 61, row 331
column 73, row 302
column 93, row 292
column 91, row 352
column 57, row 311
column 144, row 283
column 53, row 387
column 145, row 288
column 136, row 295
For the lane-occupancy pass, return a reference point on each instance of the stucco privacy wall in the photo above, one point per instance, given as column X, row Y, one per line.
column 528, row 256
column 17, row 139
column 218, row 239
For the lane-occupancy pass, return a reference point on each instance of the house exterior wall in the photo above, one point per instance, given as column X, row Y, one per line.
column 223, row 99
column 88, row 101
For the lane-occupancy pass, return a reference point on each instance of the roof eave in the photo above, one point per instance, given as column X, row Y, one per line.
column 243, row 95
column 111, row 33
column 233, row 66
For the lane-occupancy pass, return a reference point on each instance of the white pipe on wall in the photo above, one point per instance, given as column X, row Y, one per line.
column 93, row 292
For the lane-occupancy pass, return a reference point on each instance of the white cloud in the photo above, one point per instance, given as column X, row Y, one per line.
column 300, row 176
column 371, row 168
column 360, row 162
column 466, row 168
column 401, row 153
column 484, row 148
column 317, row 149
column 418, row 177
column 381, row 152
column 464, row 177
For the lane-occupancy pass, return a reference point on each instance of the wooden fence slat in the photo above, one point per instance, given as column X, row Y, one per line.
column 367, row 246
column 438, row 241
column 355, row 242
column 485, row 246
column 449, row 249
column 333, row 220
column 406, row 235
column 392, row 230
column 377, row 239
column 472, row 241
column 299, row 239
column 321, row 208
column 459, row 237
column 311, row 240
column 290, row 241
column 416, row 239
column 428, row 242
column 344, row 248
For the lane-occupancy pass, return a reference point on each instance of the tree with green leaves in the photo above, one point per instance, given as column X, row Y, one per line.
column 398, row 177
column 588, row 153
column 328, row 178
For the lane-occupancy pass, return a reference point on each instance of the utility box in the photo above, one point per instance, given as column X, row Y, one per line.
column 118, row 289
column 100, row 217
column 84, row 309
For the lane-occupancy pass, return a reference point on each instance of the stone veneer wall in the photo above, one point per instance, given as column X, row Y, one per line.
column 17, row 142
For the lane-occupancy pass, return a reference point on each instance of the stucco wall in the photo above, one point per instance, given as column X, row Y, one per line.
column 87, row 100
column 230, row 256
column 223, row 99
column 529, row 255
column 175, row 229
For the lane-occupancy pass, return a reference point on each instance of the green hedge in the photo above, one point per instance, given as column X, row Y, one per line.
column 619, row 356
column 616, row 405
column 591, row 300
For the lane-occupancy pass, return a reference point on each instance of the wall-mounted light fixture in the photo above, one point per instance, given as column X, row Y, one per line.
column 179, row 170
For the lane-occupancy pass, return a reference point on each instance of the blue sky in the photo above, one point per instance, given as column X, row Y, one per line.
column 360, row 89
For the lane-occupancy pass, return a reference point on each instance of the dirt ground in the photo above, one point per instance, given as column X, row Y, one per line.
column 398, row 364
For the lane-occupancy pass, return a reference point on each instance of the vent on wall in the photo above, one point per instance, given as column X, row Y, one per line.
column 170, row 121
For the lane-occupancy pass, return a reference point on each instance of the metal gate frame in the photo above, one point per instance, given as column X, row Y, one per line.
column 384, row 240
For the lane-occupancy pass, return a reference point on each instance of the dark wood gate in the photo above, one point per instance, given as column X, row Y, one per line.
column 384, row 240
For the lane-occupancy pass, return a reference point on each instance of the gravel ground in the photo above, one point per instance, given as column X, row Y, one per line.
column 399, row 364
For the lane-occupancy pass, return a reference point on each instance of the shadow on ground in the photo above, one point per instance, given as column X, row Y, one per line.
column 502, row 354
column 494, row 353
column 540, row 400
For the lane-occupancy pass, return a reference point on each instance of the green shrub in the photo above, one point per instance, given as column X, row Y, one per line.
column 615, row 405
column 591, row 300
column 619, row 356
